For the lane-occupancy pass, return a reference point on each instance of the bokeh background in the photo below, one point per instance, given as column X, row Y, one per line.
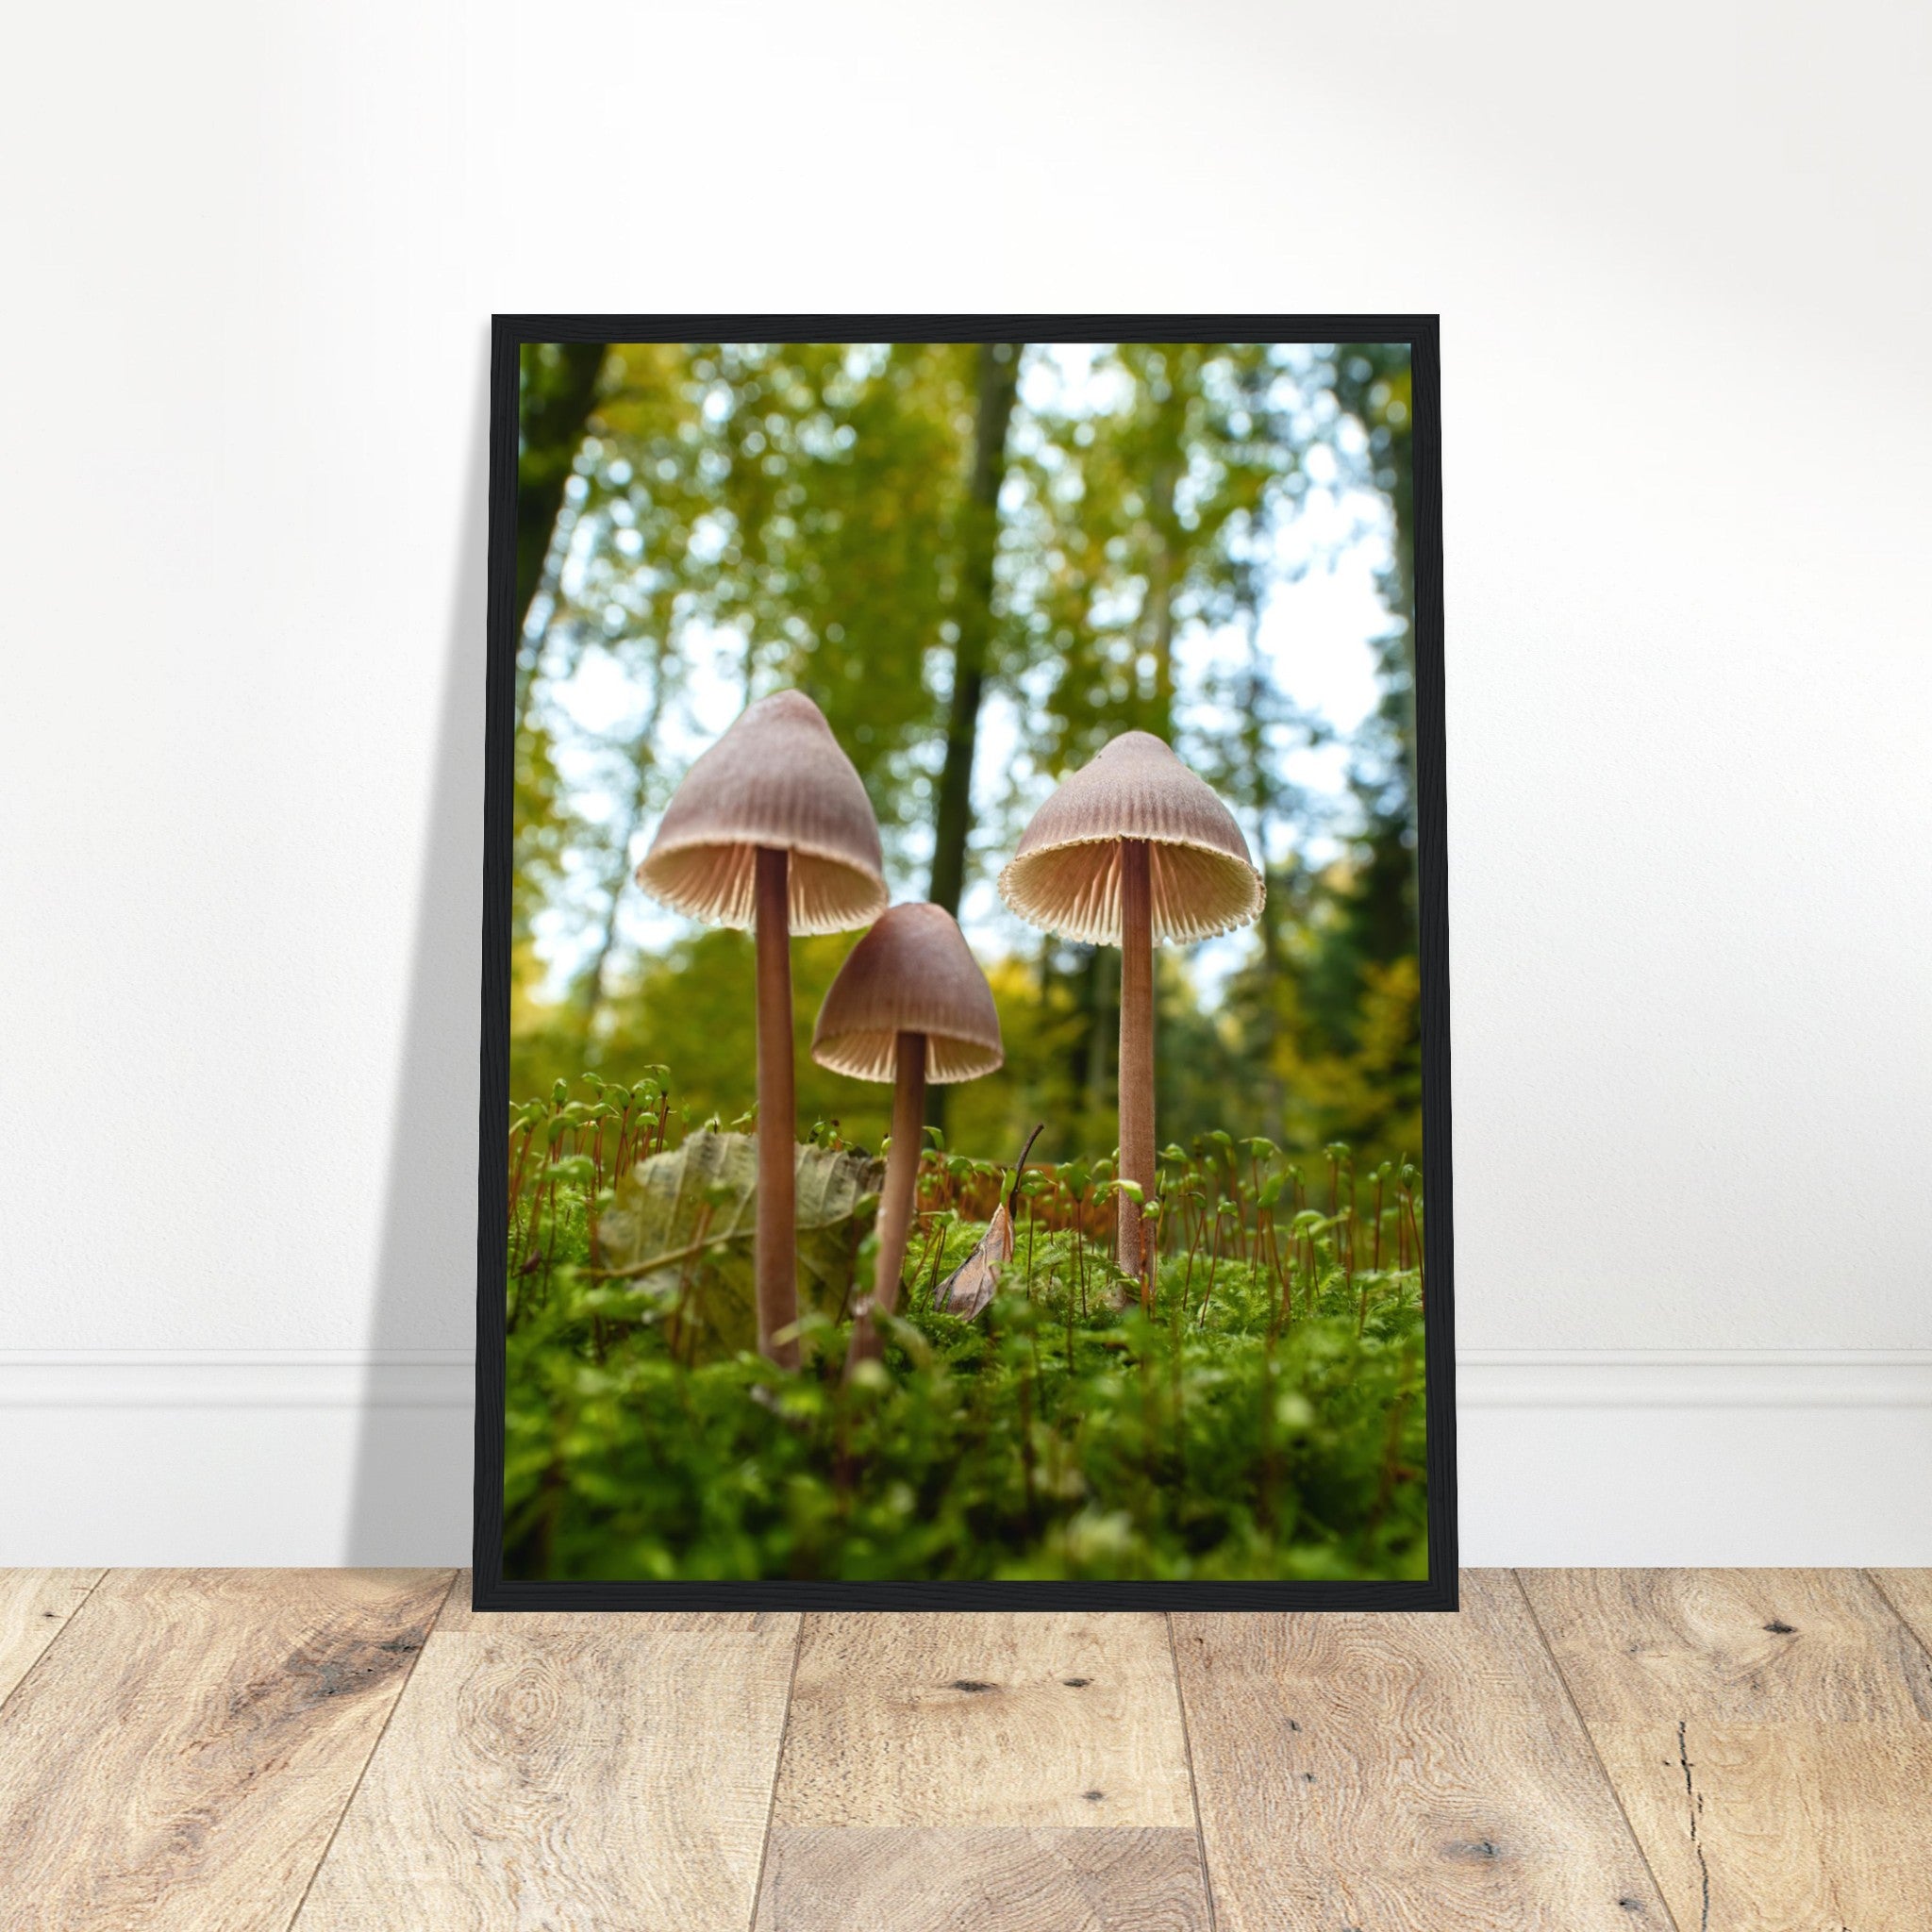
column 982, row 561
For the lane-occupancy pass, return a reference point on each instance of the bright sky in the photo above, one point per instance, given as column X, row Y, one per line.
column 1321, row 613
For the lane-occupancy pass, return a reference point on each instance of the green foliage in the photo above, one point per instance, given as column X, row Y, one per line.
column 759, row 514
column 1262, row 1415
column 1140, row 518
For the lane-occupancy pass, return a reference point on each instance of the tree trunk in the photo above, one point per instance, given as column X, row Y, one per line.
column 641, row 747
column 1161, row 595
column 1103, row 1010
column 1137, row 1042
column 999, row 375
column 554, row 413
column 776, row 1242
column 999, row 369
column 899, row 1198
column 1264, row 788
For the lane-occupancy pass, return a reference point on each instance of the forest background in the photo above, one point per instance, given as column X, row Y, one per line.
column 982, row 560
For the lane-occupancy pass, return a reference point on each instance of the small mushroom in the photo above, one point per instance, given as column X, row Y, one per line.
column 910, row 1004
column 1131, row 849
column 772, row 829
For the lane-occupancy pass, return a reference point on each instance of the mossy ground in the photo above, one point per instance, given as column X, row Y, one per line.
column 1261, row 1417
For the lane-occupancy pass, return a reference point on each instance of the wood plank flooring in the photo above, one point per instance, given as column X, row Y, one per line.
column 284, row 1751
column 1410, row 1774
column 180, row 1754
column 1768, row 1733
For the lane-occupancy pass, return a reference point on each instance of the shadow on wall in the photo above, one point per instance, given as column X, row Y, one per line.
column 410, row 1501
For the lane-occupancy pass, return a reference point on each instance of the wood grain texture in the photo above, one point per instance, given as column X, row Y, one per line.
column 1910, row 1593
column 1730, row 1646
column 1404, row 1774
column 458, row 1615
column 1781, row 1827
column 35, row 1606
column 1766, row 1731
column 1046, row 1719
column 856, row 1878
column 179, row 1747
column 179, row 1757
column 606, row 1780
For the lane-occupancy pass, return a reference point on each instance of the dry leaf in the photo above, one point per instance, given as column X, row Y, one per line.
column 970, row 1287
column 682, row 1227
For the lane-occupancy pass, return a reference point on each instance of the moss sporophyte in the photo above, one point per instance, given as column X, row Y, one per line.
column 1248, row 1405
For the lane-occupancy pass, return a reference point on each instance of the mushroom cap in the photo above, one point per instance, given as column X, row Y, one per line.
column 776, row 778
column 1065, row 876
column 913, row 973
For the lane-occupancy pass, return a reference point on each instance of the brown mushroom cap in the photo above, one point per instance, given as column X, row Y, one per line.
column 913, row 973
column 1065, row 877
column 776, row 778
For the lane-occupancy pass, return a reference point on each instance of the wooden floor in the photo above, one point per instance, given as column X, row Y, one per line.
column 1716, row 1751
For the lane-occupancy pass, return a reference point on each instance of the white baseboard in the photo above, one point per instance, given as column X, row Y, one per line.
column 1696, row 1456
column 1820, row 1456
column 233, row 1458
column 1693, row 1378
column 163, row 1378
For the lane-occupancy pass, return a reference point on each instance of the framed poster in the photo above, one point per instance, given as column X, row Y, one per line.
column 965, row 1054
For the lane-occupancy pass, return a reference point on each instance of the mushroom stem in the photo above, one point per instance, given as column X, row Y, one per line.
column 1137, row 1043
column 777, row 1260
column 897, row 1200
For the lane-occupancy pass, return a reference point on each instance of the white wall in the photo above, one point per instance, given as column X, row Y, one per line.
column 1681, row 256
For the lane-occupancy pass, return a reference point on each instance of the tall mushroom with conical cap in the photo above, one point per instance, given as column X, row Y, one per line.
column 772, row 829
column 1131, row 849
column 910, row 1004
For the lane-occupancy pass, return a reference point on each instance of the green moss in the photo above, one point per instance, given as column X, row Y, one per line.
column 1273, row 1427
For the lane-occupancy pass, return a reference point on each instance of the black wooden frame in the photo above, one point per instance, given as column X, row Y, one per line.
column 492, row 1591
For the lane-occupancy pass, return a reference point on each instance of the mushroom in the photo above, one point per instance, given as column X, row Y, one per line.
column 772, row 829
column 1134, row 848
column 910, row 1004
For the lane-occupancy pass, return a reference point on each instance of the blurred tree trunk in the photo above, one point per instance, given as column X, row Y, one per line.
column 557, row 396
column 1265, row 791
column 998, row 385
column 1161, row 576
column 999, row 369
column 1102, row 993
column 642, row 760
column 1379, row 910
